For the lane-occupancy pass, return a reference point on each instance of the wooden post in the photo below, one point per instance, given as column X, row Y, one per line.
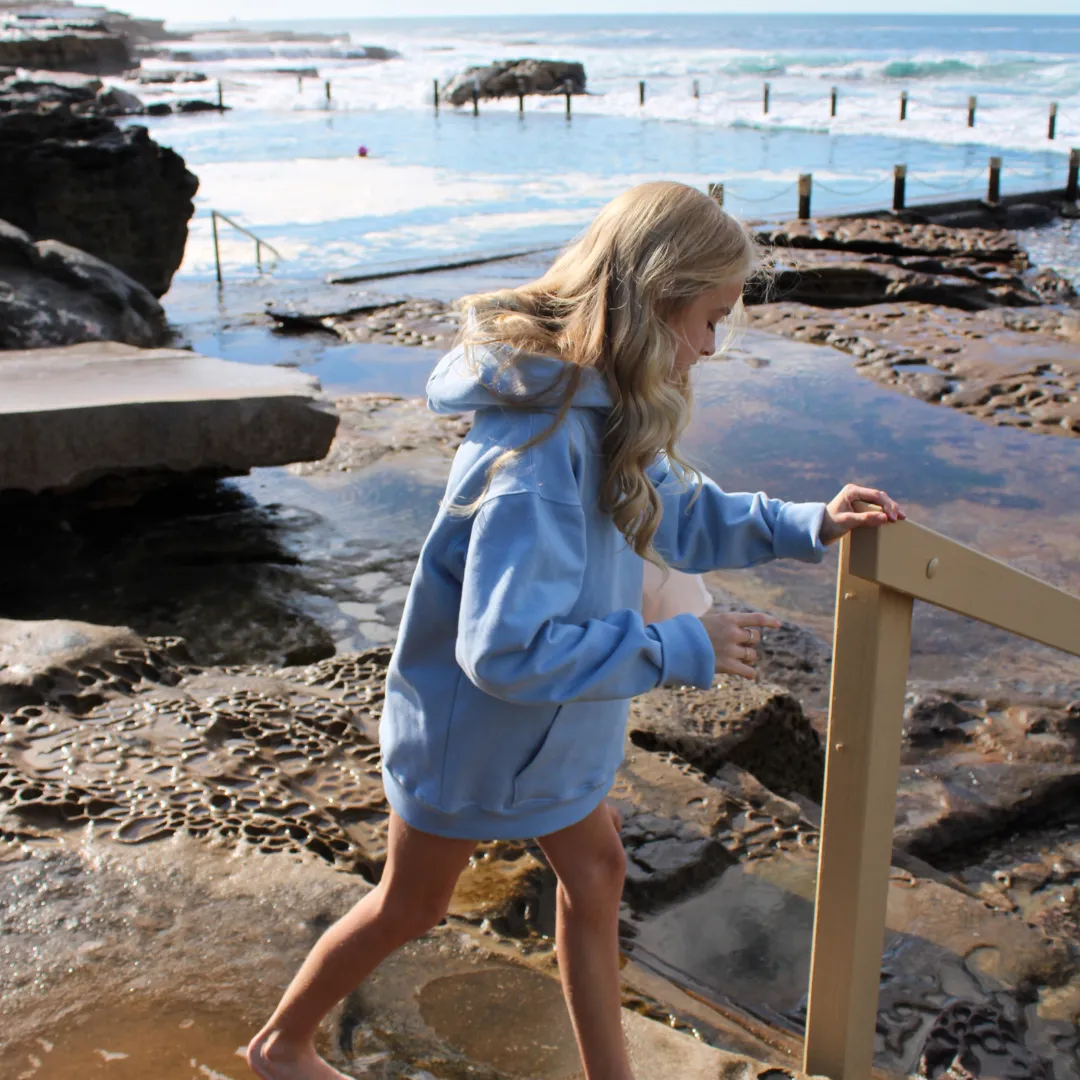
column 898, row 185
column 217, row 250
column 765, row 98
column 641, row 91
column 1051, row 125
column 716, row 191
column 435, row 93
column 299, row 84
column 832, row 102
column 971, row 111
column 806, row 183
column 521, row 96
column 220, row 97
column 870, row 661
column 566, row 88
column 475, row 98
column 1072, row 185
column 697, row 90
column 328, row 93
column 903, row 104
column 993, row 188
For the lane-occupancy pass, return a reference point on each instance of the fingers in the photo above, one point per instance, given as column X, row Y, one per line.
column 755, row 618
column 857, row 493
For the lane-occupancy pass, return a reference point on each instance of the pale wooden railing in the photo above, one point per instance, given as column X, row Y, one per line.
column 881, row 572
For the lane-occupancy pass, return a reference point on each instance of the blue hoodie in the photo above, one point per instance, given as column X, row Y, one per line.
column 522, row 639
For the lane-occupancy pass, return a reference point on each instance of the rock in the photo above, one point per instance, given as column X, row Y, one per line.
column 71, row 416
column 936, row 721
column 165, row 78
column 759, row 728
column 198, row 105
column 307, row 312
column 120, row 101
column 42, row 658
column 52, row 294
column 505, row 77
column 891, row 236
column 829, row 280
column 111, row 192
column 63, row 45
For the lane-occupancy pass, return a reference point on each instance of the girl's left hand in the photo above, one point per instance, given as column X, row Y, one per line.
column 841, row 515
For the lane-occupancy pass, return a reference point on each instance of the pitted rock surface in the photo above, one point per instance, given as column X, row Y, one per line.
column 1016, row 369
column 890, row 236
column 373, row 426
column 758, row 727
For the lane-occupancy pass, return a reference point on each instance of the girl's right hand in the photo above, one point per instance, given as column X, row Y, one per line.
column 735, row 636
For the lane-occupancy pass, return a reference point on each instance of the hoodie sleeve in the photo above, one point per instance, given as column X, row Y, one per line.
column 717, row 531
column 524, row 570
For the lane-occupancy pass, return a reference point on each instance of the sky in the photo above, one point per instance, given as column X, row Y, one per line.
column 180, row 12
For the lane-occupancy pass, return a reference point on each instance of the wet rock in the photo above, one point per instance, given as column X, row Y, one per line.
column 364, row 317
column 373, row 426
column 42, row 659
column 325, row 309
column 70, row 416
column 830, row 281
column 503, row 79
column 115, row 101
column 978, row 1039
column 113, row 193
column 167, row 78
column 934, row 722
column 760, row 728
column 52, row 294
column 59, row 44
column 947, row 810
column 891, row 236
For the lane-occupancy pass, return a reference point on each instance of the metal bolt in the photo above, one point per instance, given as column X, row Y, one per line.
column 931, row 568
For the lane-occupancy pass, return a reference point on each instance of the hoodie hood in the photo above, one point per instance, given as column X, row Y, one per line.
column 482, row 378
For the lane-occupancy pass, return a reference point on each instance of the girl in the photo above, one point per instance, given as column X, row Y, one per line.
column 522, row 639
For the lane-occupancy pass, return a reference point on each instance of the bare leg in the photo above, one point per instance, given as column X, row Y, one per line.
column 591, row 866
column 413, row 895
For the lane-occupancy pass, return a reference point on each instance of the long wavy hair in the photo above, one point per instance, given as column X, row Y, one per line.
column 606, row 303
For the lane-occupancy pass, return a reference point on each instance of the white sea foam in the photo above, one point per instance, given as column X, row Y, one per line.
column 284, row 162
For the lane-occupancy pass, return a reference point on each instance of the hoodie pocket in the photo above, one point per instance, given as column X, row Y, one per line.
column 580, row 751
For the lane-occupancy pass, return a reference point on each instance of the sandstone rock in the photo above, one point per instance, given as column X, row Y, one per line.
column 53, row 294
column 761, row 729
column 71, row 416
column 503, row 79
column 112, row 193
column 63, row 45
column 891, row 236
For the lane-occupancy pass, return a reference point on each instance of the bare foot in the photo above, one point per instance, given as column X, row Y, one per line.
column 272, row 1058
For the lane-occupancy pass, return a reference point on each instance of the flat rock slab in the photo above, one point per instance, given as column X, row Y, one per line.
column 70, row 416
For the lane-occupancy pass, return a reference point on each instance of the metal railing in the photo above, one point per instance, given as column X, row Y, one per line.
column 882, row 571
column 259, row 243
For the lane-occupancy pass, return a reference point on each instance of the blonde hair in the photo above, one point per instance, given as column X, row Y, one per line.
column 605, row 304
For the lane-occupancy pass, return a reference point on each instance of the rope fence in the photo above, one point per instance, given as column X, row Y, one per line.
column 968, row 184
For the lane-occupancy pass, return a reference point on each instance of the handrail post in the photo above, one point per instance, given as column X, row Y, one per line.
column 870, row 662
column 217, row 250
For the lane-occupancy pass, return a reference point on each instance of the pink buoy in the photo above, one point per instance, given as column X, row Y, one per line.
column 361, row 151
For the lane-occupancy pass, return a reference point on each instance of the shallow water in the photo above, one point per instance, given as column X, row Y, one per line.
column 276, row 565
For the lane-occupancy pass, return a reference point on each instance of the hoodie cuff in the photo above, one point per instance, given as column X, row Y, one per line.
column 688, row 658
column 797, row 534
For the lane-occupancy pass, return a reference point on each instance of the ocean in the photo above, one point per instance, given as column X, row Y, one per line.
column 284, row 163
